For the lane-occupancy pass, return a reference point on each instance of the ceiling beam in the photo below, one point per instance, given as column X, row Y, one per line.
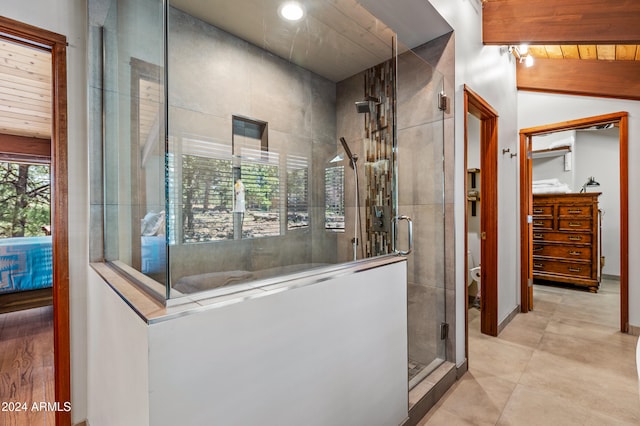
column 561, row 22
column 24, row 149
column 610, row 79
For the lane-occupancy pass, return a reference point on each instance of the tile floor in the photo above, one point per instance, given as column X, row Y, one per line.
column 565, row 363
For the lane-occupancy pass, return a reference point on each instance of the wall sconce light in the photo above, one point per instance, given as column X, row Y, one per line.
column 522, row 53
column 590, row 182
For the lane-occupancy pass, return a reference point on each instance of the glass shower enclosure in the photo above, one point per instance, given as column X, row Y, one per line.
column 235, row 145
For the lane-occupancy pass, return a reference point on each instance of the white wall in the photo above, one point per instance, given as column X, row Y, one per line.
column 597, row 153
column 68, row 17
column 535, row 109
column 490, row 72
column 554, row 167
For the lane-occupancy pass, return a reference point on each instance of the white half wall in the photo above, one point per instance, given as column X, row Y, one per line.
column 536, row 109
column 330, row 353
column 118, row 361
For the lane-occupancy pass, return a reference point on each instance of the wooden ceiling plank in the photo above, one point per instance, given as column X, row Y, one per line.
column 23, row 83
column 25, row 74
column 570, row 51
column 40, row 103
column 612, row 79
column 27, row 68
column 626, row 52
column 31, row 54
column 606, row 52
column 42, row 108
column 26, row 61
column 26, row 133
column 538, row 51
column 34, row 95
column 565, row 22
column 6, row 118
column 30, row 112
column 588, row 51
column 553, row 51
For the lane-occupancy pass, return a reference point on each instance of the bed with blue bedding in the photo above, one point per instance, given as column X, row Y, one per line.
column 25, row 264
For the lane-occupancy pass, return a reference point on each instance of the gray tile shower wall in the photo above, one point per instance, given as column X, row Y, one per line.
column 215, row 75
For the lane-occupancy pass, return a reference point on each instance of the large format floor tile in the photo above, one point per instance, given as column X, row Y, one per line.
column 564, row 363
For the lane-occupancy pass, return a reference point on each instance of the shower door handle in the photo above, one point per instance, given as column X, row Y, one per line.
column 396, row 220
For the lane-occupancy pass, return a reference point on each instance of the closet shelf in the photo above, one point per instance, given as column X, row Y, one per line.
column 551, row 152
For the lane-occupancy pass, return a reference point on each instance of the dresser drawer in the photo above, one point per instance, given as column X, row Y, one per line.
column 543, row 210
column 542, row 223
column 585, row 210
column 565, row 268
column 577, row 224
column 563, row 237
column 563, row 251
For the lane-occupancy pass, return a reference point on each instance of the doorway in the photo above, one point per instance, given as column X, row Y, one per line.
column 620, row 120
column 55, row 44
column 486, row 203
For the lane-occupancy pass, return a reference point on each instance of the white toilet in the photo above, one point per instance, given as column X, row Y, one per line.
column 474, row 275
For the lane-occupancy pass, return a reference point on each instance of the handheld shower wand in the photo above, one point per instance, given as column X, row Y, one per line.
column 352, row 162
column 352, row 158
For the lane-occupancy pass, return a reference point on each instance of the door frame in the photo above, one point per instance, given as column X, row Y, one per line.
column 475, row 105
column 526, row 205
column 56, row 44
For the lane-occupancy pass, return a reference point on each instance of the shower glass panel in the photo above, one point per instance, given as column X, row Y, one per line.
column 127, row 77
column 238, row 147
column 421, row 179
column 222, row 161
column 259, row 184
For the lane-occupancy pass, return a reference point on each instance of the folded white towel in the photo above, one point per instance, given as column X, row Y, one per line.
column 546, row 182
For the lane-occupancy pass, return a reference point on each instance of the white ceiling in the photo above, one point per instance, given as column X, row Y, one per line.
column 336, row 38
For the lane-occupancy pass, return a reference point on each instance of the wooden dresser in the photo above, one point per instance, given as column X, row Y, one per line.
column 566, row 239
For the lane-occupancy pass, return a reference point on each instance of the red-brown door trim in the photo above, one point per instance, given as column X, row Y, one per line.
column 475, row 105
column 526, row 200
column 57, row 45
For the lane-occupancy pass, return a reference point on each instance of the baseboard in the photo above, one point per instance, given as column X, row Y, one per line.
column 611, row 277
column 634, row 331
column 82, row 423
column 461, row 369
column 508, row 319
column 28, row 299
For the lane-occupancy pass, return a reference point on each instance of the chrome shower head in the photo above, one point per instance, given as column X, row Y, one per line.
column 365, row 106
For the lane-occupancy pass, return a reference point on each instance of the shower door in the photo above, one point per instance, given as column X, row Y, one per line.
column 421, row 196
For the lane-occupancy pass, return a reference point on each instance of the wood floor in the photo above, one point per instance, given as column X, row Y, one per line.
column 26, row 367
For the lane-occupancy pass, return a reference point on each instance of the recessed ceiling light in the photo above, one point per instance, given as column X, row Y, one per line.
column 291, row 11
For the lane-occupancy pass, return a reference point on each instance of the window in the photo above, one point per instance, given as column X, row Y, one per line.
column 297, row 192
column 207, row 191
column 25, row 200
column 256, row 173
column 334, row 198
